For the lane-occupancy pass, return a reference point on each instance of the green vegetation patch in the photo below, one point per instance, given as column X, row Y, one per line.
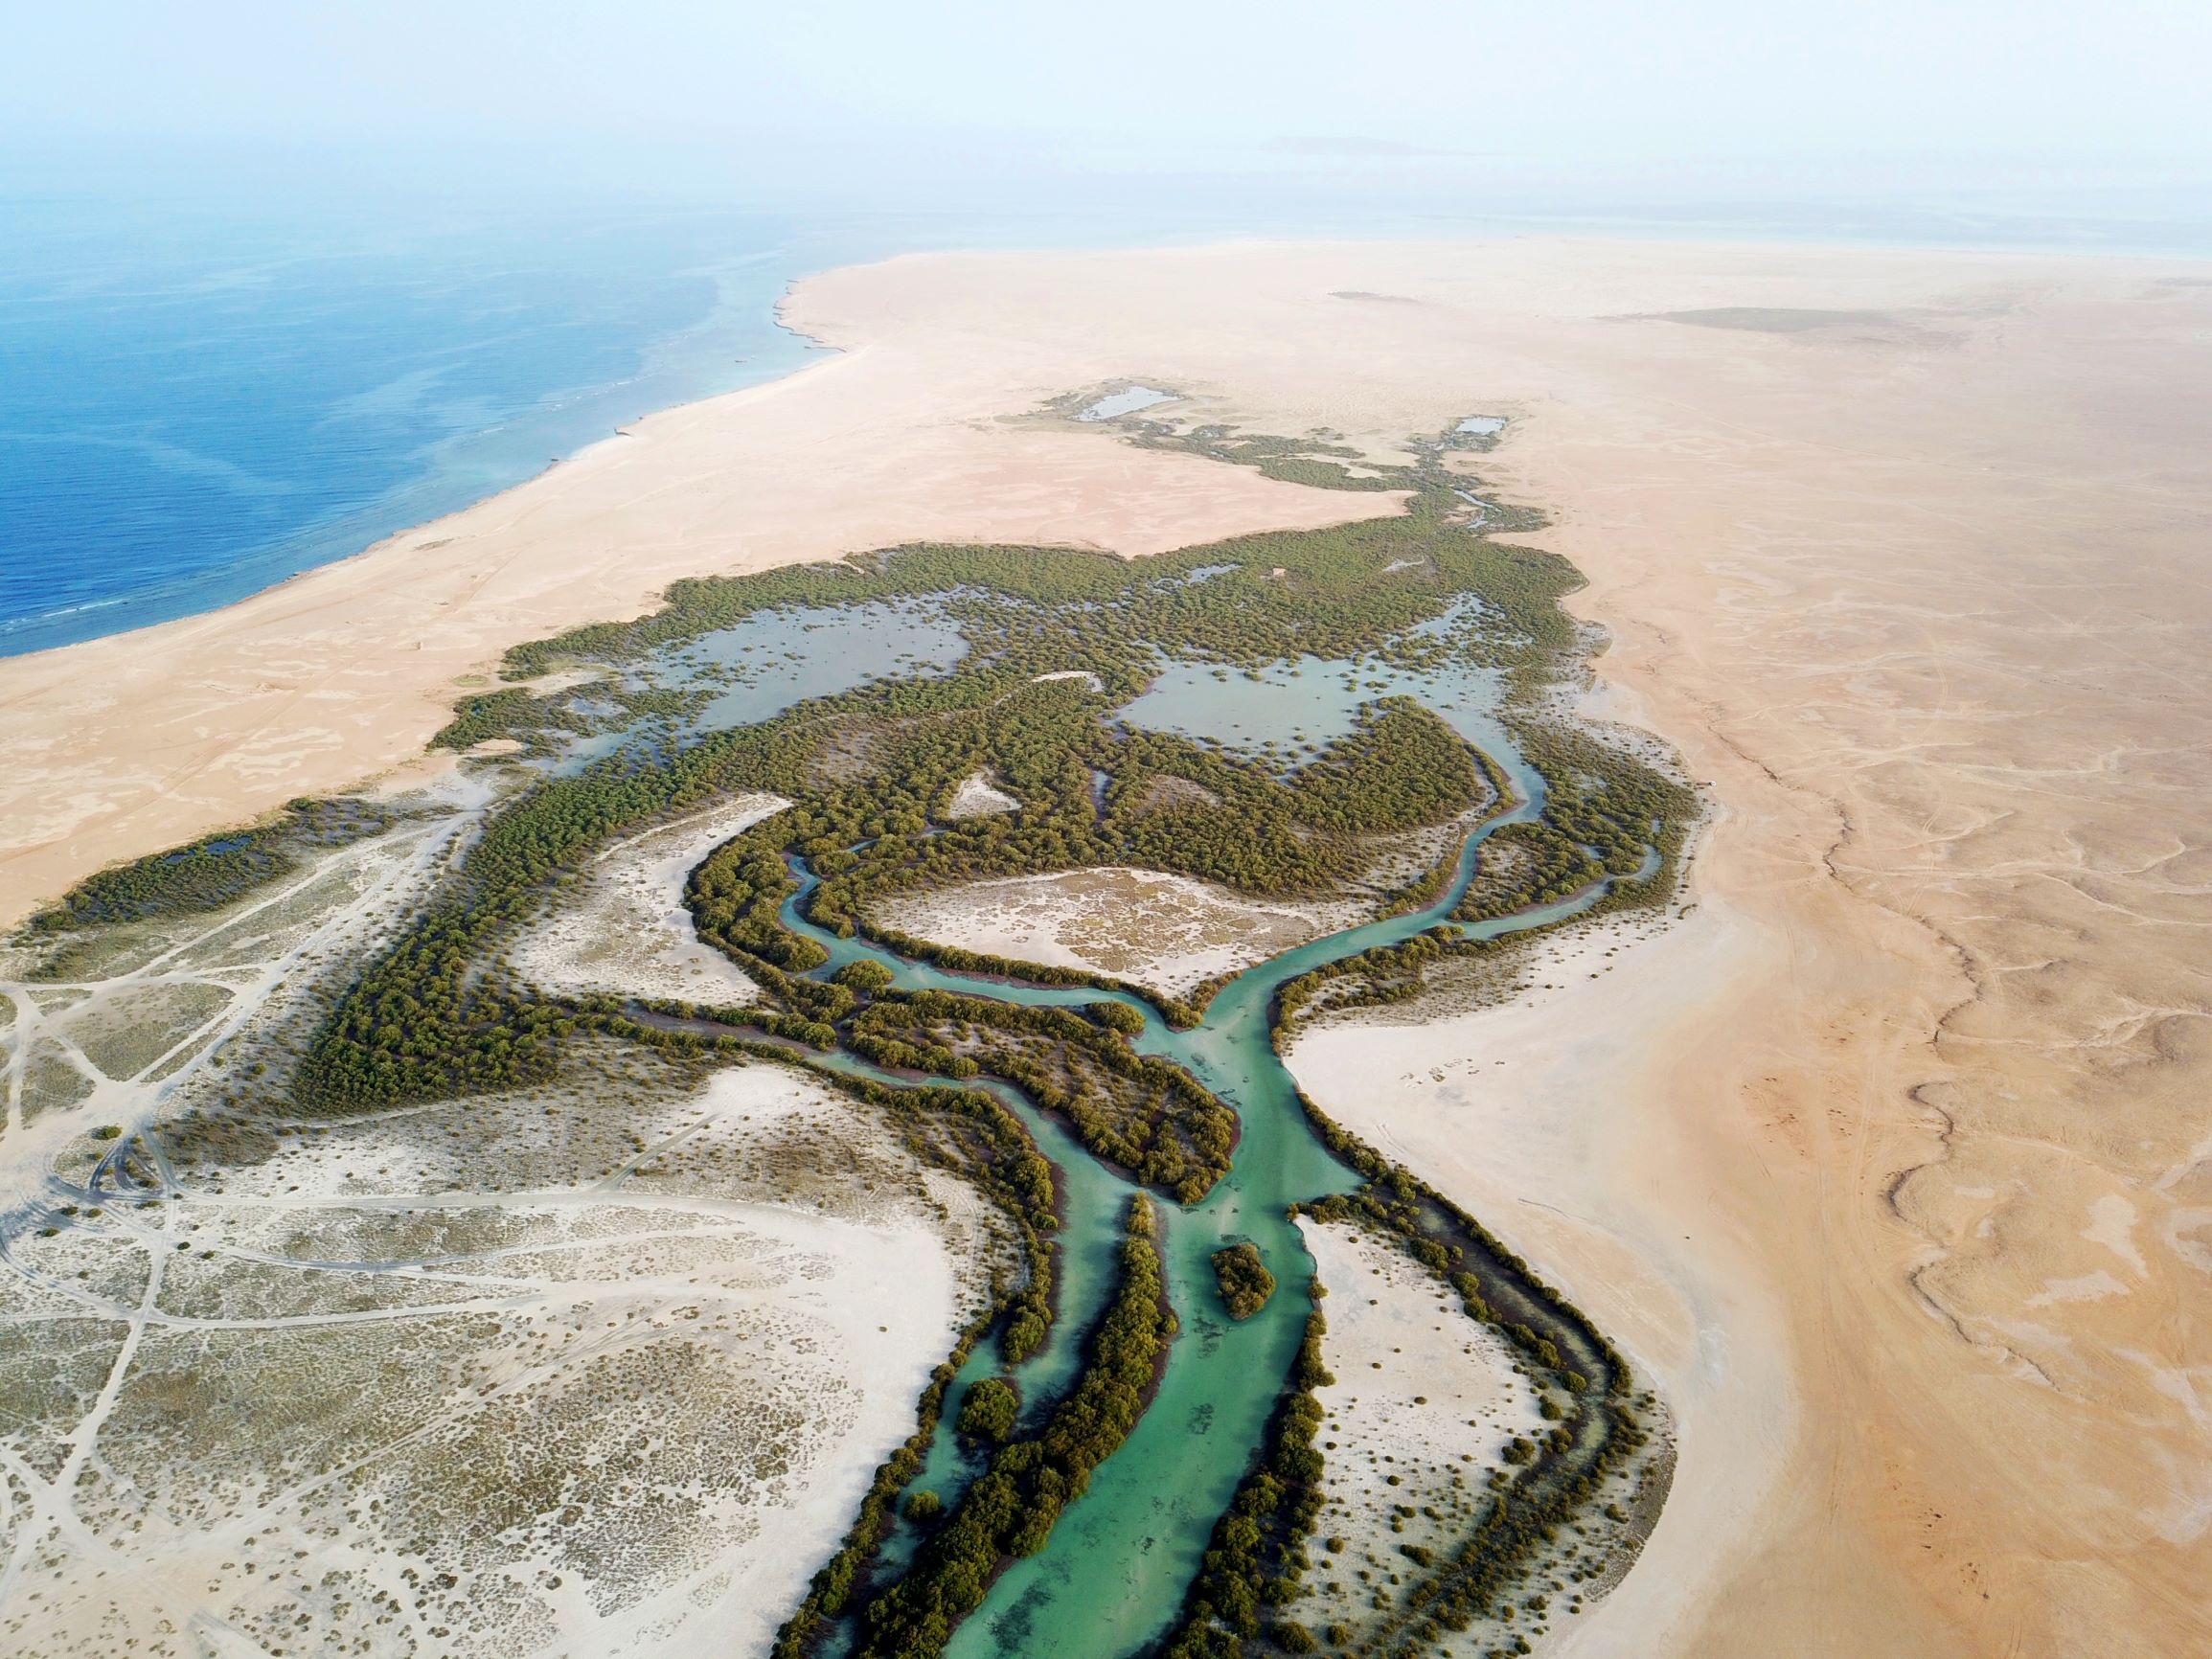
column 1244, row 1279
column 1011, row 1508
column 1139, row 1113
column 212, row 872
column 1604, row 811
column 512, row 713
column 989, row 1412
column 432, row 1018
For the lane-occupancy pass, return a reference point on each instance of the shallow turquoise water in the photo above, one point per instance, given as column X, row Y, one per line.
column 772, row 659
column 200, row 402
column 1116, row 1570
column 1126, row 401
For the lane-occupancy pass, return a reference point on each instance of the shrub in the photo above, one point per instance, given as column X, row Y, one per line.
column 1117, row 1017
column 1244, row 1279
column 869, row 978
column 988, row 1411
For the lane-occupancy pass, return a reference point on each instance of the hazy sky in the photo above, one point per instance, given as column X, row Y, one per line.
column 1870, row 91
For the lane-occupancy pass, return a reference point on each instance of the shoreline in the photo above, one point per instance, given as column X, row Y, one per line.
column 34, row 677
column 504, row 604
column 687, row 314
column 390, row 540
column 1911, row 592
column 1719, row 237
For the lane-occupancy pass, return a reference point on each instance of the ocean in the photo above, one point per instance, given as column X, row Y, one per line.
column 195, row 406
column 195, row 403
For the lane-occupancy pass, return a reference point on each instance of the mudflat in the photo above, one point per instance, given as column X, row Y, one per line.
column 1891, row 1160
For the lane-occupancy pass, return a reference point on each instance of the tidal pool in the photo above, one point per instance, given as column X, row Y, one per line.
column 759, row 667
column 775, row 658
column 1307, row 703
column 1126, row 401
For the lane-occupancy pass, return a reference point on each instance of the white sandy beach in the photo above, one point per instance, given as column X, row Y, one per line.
column 1890, row 1162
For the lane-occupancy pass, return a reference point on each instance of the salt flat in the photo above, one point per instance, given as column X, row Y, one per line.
column 1147, row 927
column 628, row 931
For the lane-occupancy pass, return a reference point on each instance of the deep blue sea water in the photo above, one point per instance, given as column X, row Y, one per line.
column 195, row 403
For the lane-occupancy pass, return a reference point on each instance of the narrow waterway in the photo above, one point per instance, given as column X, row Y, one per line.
column 1116, row 1570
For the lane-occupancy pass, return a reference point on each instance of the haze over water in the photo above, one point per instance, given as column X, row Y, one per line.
column 196, row 401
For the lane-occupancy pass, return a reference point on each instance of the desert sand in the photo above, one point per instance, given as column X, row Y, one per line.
column 1890, row 1163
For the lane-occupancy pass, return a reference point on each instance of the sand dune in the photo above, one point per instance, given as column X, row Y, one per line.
column 1909, row 1181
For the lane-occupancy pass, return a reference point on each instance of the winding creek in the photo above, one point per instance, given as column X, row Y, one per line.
column 1112, row 1577
column 1113, row 1574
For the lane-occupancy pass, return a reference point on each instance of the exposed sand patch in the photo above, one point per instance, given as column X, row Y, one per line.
column 624, row 929
column 1164, row 791
column 1422, row 1394
column 1165, row 931
column 978, row 798
column 560, row 680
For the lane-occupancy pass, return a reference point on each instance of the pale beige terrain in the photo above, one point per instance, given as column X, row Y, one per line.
column 977, row 796
column 430, row 1388
column 601, row 1367
column 1537, row 1115
column 627, row 930
column 1923, row 1120
column 1421, row 1392
column 1147, row 927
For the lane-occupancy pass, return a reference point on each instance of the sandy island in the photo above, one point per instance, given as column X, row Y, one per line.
column 1891, row 1162
column 1168, row 932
